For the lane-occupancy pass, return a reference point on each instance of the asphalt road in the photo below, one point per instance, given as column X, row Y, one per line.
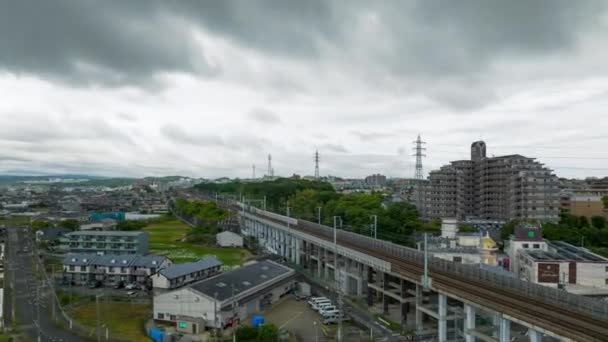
column 33, row 299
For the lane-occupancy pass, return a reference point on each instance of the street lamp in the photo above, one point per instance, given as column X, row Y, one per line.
column 316, row 333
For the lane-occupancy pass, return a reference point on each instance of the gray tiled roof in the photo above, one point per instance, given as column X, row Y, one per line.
column 79, row 259
column 243, row 279
column 149, row 261
column 126, row 260
column 178, row 270
column 108, row 233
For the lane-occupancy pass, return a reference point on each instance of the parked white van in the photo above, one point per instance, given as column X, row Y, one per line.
column 335, row 318
column 313, row 300
column 325, row 309
column 320, row 304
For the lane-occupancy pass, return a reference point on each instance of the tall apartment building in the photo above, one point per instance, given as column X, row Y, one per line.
column 105, row 242
column 491, row 188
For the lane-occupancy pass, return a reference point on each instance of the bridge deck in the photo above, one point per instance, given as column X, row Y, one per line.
column 518, row 306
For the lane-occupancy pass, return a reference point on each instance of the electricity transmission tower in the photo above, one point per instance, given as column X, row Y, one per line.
column 317, row 164
column 419, row 150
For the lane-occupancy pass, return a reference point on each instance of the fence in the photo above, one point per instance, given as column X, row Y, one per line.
column 546, row 294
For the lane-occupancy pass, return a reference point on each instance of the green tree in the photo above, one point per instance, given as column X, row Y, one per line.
column 304, row 204
column 70, row 224
column 605, row 201
column 465, row 228
column 268, row 333
column 38, row 225
column 598, row 222
column 583, row 222
column 246, row 333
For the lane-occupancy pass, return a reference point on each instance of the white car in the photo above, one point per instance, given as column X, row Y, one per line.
column 328, row 308
column 318, row 305
column 313, row 300
column 131, row 286
column 132, row 293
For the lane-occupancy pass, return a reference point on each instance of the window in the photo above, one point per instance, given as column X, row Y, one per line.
column 172, row 317
column 525, row 245
column 111, row 269
column 161, row 316
column 606, row 281
column 72, row 268
column 606, row 268
column 536, row 245
column 83, row 268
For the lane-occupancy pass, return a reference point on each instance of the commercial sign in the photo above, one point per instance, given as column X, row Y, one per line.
column 548, row 273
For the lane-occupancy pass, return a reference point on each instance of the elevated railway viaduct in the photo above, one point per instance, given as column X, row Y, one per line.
column 390, row 277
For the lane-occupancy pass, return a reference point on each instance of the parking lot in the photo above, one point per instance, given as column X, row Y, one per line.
column 298, row 318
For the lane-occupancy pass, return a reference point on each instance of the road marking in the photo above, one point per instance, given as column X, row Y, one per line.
column 291, row 319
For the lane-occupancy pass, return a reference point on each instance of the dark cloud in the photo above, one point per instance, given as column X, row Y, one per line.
column 110, row 43
column 444, row 50
column 265, row 116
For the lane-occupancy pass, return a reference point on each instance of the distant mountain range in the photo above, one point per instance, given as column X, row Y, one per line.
column 92, row 180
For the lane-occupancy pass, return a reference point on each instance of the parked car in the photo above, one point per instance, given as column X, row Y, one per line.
column 119, row 285
column 132, row 286
column 313, row 300
column 132, row 293
column 94, row 284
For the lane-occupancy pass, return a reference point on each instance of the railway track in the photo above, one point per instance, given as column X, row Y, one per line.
column 558, row 319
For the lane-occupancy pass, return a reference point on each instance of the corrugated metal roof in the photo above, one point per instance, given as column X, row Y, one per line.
column 179, row 270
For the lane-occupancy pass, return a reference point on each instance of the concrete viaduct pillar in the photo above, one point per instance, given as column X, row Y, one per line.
column 385, row 298
column 535, row 335
column 419, row 312
column 442, row 319
column 504, row 330
column 469, row 323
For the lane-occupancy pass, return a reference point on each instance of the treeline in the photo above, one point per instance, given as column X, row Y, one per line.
column 396, row 220
column 577, row 230
column 276, row 191
column 206, row 216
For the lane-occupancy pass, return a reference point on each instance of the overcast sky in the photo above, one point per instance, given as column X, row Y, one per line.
column 209, row 88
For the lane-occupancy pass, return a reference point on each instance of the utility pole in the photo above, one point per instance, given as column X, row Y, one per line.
column 319, row 215
column 375, row 226
column 233, row 314
column 336, row 275
column 426, row 282
column 216, row 321
column 38, row 313
column 317, row 164
column 98, row 322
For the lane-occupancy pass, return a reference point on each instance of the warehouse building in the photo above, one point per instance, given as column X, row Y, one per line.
column 224, row 299
column 180, row 275
column 566, row 266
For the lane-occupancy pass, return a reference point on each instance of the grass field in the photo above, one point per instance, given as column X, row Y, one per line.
column 126, row 320
column 166, row 238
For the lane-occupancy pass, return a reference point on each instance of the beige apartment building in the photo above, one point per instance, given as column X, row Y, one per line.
column 491, row 188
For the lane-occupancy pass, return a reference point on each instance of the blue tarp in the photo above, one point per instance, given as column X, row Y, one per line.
column 257, row 321
column 157, row 335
